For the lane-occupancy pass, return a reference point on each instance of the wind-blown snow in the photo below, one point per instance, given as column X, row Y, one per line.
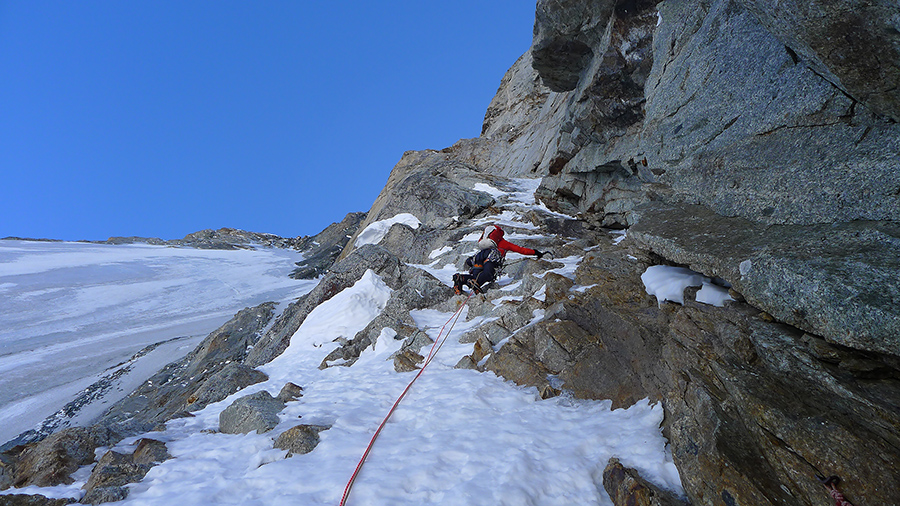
column 375, row 232
column 71, row 311
column 570, row 264
column 668, row 283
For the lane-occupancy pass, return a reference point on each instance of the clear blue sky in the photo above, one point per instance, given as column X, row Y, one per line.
column 163, row 118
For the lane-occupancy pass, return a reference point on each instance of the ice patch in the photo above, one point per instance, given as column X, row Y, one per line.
column 541, row 294
column 570, row 264
column 622, row 234
column 713, row 295
column 438, row 252
column 745, row 267
column 490, row 190
column 375, row 232
column 525, row 190
column 668, row 283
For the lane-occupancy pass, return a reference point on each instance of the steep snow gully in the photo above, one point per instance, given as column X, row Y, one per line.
column 461, row 436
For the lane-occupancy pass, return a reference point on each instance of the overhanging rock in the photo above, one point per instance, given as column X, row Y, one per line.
column 837, row 280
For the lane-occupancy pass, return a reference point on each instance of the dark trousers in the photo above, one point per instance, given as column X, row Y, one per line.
column 481, row 276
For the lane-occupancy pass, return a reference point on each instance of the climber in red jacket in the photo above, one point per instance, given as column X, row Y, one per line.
column 485, row 264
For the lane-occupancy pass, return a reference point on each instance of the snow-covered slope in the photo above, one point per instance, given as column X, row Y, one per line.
column 75, row 312
column 460, row 437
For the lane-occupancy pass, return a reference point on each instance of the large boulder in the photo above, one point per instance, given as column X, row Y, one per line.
column 52, row 461
column 255, row 412
column 300, row 439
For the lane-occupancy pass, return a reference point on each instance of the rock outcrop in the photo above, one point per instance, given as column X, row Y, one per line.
column 209, row 373
column 299, row 439
column 322, row 249
column 758, row 146
column 251, row 413
column 115, row 470
column 626, row 488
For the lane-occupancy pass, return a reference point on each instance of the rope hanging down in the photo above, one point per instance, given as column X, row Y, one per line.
column 435, row 347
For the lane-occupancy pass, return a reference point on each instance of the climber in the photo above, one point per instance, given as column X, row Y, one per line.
column 485, row 265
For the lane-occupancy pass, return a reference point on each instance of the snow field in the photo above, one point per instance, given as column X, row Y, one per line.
column 459, row 437
column 73, row 311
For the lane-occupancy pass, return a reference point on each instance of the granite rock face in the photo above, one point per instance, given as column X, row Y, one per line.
column 739, row 123
column 854, row 45
column 433, row 186
column 756, row 144
column 838, row 281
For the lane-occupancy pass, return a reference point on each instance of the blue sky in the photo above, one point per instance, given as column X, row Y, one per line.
column 162, row 118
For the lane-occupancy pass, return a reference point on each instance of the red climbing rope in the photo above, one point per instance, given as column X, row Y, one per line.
column 830, row 484
column 435, row 347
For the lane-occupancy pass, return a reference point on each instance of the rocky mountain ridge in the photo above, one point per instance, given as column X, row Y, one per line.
column 755, row 145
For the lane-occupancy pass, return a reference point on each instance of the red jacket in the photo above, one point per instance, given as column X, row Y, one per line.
column 503, row 245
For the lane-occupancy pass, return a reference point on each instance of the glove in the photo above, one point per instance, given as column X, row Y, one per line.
column 539, row 254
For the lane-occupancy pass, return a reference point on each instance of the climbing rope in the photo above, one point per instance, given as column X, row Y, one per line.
column 435, row 347
column 830, row 484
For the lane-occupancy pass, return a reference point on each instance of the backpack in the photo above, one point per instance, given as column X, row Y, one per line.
column 491, row 237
